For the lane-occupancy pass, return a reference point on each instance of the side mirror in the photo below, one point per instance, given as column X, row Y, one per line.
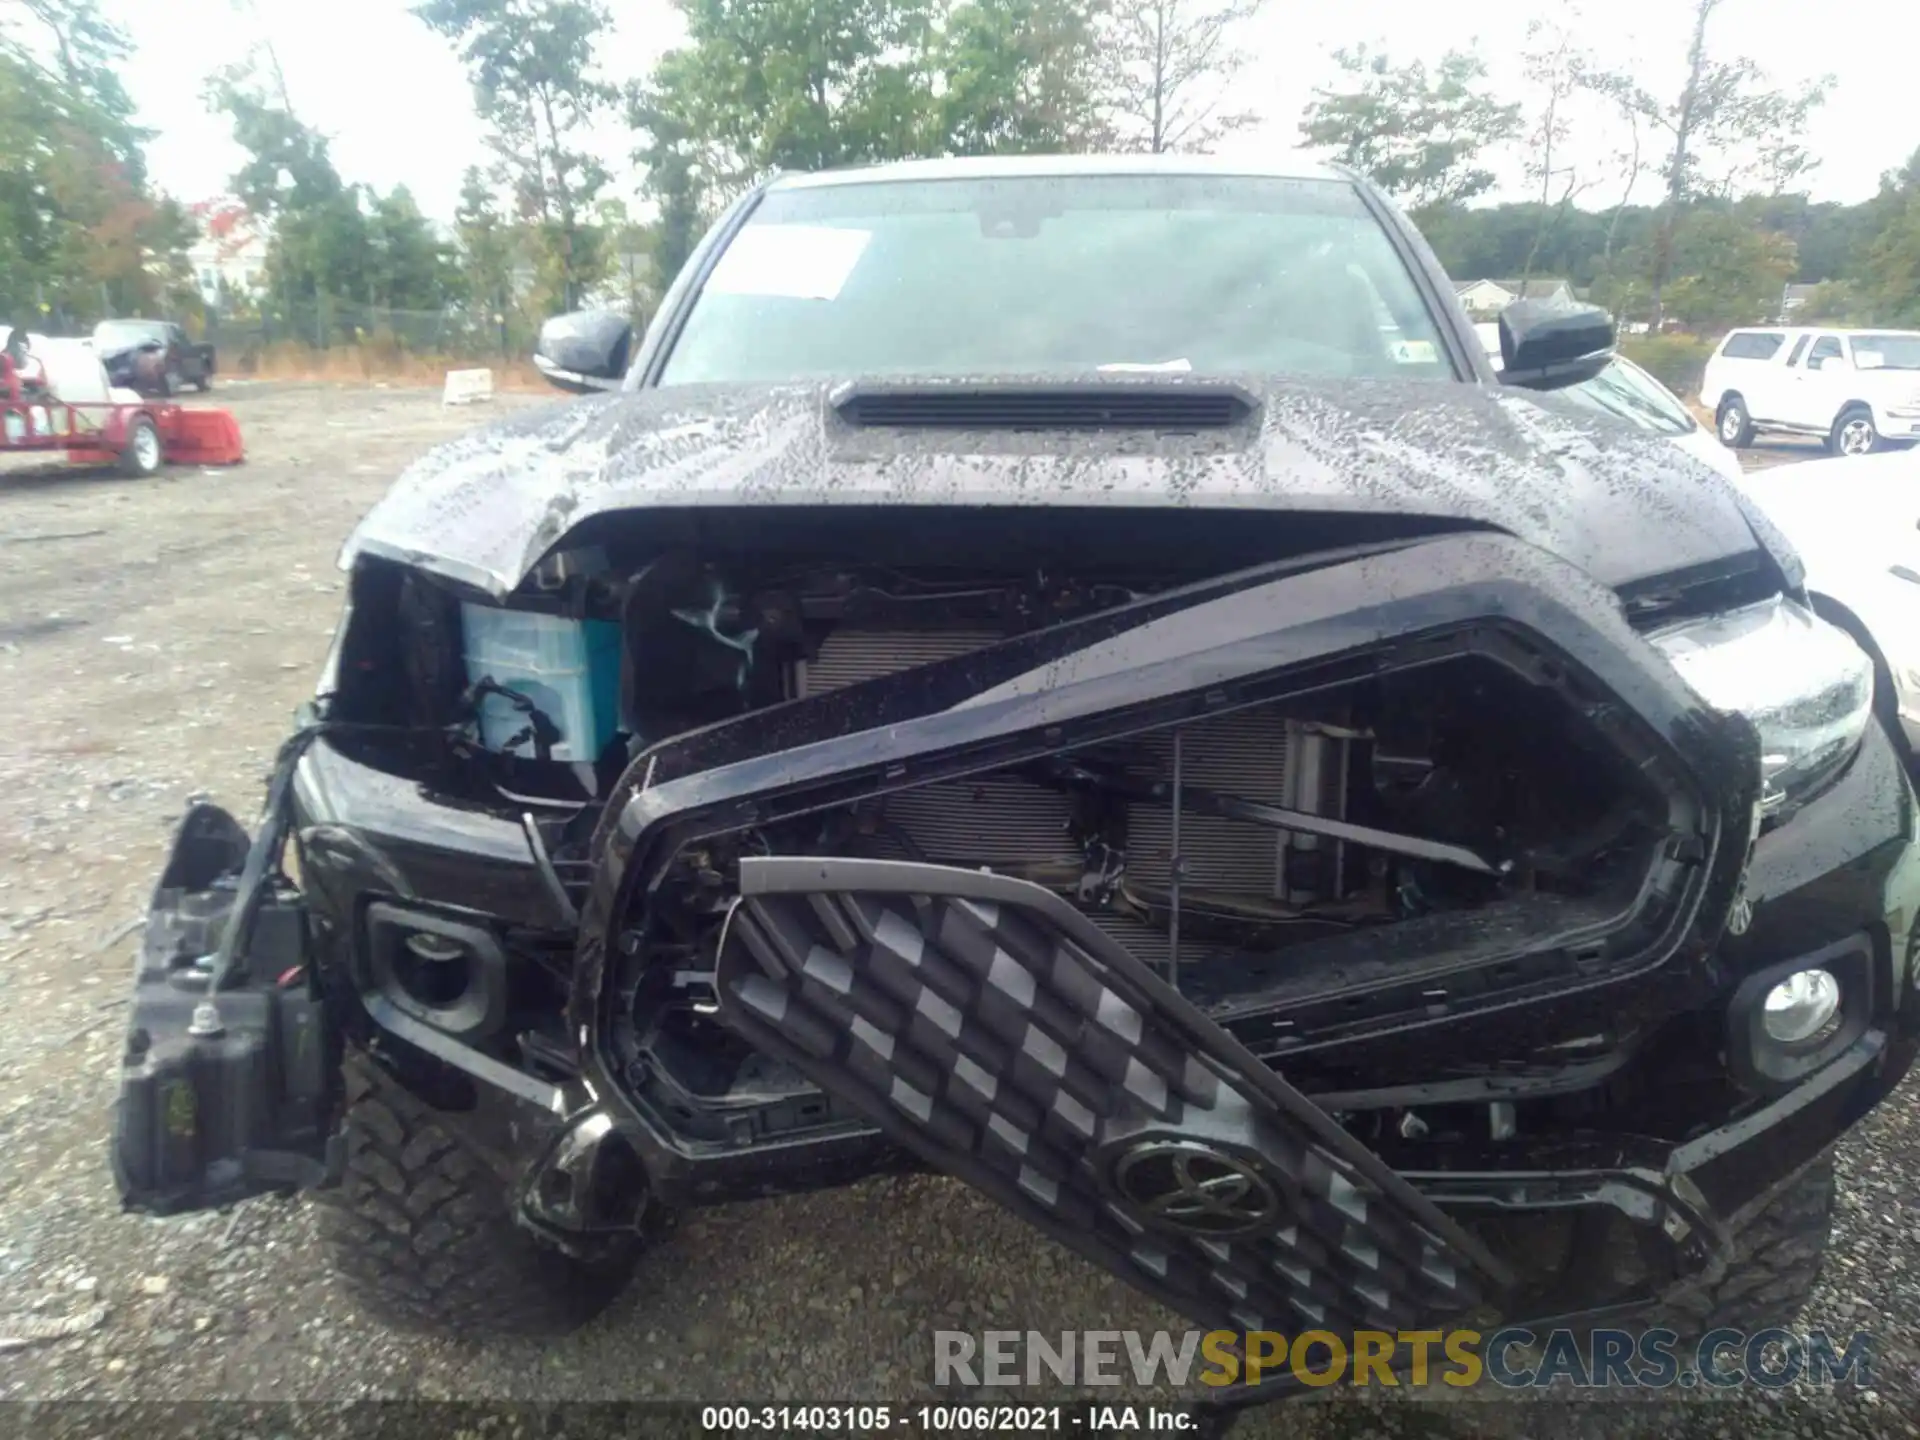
column 584, row 352
column 1550, row 347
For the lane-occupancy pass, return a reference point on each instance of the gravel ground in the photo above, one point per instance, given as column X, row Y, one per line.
column 154, row 639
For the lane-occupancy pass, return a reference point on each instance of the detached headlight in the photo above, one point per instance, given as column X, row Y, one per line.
column 1806, row 686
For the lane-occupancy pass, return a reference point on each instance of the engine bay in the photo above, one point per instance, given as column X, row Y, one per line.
column 1260, row 851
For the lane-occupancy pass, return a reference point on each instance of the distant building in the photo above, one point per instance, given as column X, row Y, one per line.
column 1485, row 299
column 231, row 253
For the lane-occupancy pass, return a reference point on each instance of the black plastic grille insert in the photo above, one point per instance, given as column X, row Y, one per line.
column 988, row 1026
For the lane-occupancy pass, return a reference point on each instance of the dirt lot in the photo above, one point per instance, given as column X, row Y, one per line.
column 154, row 639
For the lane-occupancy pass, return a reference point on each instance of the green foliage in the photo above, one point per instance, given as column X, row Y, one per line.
column 1726, row 273
column 768, row 85
column 1832, row 302
column 411, row 268
column 530, row 62
column 487, row 247
column 80, row 233
column 786, row 85
column 1020, row 77
column 331, row 240
column 1889, row 270
column 1420, row 137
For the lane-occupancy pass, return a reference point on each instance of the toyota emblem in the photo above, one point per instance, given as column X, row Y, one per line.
column 1184, row 1185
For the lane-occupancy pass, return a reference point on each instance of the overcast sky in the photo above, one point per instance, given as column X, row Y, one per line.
column 396, row 105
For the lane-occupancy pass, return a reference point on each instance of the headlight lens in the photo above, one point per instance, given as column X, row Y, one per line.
column 1806, row 686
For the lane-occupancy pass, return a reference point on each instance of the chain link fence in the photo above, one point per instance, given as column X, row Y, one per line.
column 248, row 341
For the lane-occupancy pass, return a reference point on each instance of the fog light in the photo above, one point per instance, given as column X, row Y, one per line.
column 1801, row 1006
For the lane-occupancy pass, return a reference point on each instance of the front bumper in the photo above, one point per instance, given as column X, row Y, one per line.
column 1842, row 871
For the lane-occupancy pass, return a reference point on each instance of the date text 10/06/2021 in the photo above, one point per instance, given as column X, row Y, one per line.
column 1086, row 1419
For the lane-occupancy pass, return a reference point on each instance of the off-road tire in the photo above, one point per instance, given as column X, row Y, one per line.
column 1733, row 424
column 1778, row 1255
column 1851, row 418
column 422, row 1230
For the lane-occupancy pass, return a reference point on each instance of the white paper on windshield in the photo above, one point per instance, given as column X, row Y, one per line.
column 1414, row 352
column 1868, row 359
column 795, row 262
column 1162, row 367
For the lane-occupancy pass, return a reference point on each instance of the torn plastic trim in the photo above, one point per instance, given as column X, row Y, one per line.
column 1000, row 1034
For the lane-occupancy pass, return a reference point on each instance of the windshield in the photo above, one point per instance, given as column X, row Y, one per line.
column 126, row 332
column 1625, row 390
column 1886, row 352
column 1059, row 275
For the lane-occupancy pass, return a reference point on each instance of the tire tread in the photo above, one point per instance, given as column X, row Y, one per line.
column 422, row 1232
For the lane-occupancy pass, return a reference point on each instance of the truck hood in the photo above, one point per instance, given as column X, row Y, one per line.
column 1622, row 505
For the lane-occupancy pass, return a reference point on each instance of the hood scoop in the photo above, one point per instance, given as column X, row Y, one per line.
column 1166, row 407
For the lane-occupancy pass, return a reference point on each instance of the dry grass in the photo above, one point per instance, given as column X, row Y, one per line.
column 364, row 364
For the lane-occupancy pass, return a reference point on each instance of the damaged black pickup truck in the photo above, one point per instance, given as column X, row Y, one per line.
column 1072, row 673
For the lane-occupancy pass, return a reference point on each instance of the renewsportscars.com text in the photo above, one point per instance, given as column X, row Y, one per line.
column 1511, row 1358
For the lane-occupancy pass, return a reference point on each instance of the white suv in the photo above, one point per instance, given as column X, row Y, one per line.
column 1857, row 389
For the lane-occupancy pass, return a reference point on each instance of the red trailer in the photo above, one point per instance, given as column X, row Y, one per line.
column 54, row 396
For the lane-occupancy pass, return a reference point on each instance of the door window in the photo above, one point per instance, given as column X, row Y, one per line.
column 1753, row 345
column 1827, row 347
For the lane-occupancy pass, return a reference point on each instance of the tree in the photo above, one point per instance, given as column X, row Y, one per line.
column 1017, row 76
column 1725, row 129
column 1419, row 137
column 1832, row 302
column 1726, row 273
column 1889, row 270
column 80, row 232
column 530, row 62
column 486, row 248
column 412, row 267
column 806, row 85
column 814, row 84
column 321, row 246
column 1168, row 63
column 1558, row 68
column 678, row 178
column 87, row 47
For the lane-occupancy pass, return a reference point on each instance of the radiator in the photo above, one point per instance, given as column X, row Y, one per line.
column 1001, row 821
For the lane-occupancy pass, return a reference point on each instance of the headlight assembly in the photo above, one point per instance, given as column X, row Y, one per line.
column 1806, row 686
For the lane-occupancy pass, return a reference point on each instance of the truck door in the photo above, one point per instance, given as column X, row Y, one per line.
column 1813, row 395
